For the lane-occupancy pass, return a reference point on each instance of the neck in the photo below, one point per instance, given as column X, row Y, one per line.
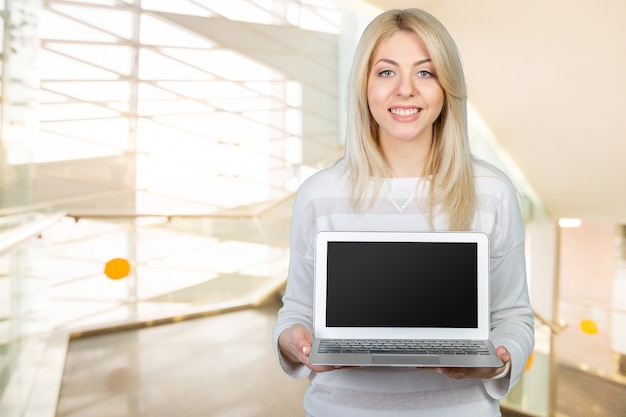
column 406, row 159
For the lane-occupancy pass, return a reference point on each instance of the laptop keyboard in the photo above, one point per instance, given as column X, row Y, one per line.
column 413, row 347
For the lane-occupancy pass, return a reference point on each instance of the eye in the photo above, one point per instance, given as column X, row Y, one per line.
column 425, row 74
column 386, row 73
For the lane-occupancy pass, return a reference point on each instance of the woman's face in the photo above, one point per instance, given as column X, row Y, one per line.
column 403, row 93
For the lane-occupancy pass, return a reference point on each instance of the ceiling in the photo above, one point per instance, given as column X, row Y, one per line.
column 549, row 79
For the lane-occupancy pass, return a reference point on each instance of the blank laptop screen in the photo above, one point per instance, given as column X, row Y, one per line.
column 402, row 284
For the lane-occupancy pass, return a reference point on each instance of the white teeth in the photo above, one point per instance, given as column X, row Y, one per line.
column 404, row 112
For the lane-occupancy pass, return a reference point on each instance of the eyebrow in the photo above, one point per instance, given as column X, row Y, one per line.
column 392, row 62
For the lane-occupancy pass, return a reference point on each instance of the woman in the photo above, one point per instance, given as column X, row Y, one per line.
column 408, row 167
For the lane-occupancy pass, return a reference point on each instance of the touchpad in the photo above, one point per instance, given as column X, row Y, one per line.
column 405, row 359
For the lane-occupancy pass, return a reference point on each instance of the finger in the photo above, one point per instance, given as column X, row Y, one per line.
column 453, row 373
column 449, row 372
column 303, row 345
column 503, row 354
column 303, row 352
column 321, row 368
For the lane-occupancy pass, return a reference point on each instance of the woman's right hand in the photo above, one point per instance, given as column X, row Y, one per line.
column 295, row 345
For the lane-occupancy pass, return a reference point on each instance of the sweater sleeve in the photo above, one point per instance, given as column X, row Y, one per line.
column 297, row 308
column 298, row 298
column 512, row 318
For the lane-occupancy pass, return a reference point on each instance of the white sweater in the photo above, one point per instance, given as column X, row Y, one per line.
column 323, row 204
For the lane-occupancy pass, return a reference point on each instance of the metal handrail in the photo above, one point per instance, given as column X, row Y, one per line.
column 248, row 213
column 555, row 328
column 13, row 237
column 594, row 305
column 12, row 211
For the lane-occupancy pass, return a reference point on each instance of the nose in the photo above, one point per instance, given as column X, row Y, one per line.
column 406, row 86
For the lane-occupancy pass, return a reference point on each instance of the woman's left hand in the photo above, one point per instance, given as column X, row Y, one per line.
column 484, row 373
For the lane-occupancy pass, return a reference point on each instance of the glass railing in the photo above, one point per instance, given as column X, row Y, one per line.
column 533, row 395
column 128, row 269
column 25, row 327
column 595, row 339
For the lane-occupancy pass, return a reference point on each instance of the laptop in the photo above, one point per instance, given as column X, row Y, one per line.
column 418, row 299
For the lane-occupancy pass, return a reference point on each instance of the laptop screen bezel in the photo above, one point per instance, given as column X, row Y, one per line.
column 481, row 332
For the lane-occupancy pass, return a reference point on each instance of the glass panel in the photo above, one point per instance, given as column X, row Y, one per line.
column 228, row 65
column 180, row 106
column 242, row 11
column 232, row 105
column 180, row 6
column 150, row 91
column 60, row 111
column 155, row 66
column 215, row 90
column 155, row 137
column 24, row 320
column 94, row 91
column 156, row 31
column 589, row 331
column 111, row 20
column 59, row 67
column 318, row 19
column 114, row 58
column 166, row 168
column 531, row 395
column 2, row 36
column 52, row 25
column 105, row 2
column 54, row 147
column 109, row 132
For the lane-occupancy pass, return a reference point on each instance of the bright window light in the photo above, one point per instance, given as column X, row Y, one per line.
column 200, row 124
column 569, row 222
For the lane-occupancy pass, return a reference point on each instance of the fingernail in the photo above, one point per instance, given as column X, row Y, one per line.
column 304, row 349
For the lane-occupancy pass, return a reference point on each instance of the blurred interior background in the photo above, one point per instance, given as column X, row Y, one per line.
column 150, row 152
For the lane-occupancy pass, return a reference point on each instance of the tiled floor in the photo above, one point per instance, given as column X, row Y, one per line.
column 224, row 366
column 219, row 366
column 587, row 395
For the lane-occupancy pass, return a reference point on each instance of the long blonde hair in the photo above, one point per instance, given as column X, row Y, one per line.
column 449, row 166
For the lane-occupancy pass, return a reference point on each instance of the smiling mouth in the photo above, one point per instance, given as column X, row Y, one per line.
column 405, row 112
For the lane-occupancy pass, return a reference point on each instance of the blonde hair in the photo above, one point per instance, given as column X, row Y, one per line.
column 449, row 166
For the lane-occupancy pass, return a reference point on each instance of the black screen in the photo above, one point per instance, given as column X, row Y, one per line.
column 402, row 284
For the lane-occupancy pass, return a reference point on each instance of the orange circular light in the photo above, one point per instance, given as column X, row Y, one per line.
column 589, row 327
column 117, row 268
column 529, row 362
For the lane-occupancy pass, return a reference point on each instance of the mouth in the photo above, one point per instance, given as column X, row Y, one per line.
column 405, row 112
